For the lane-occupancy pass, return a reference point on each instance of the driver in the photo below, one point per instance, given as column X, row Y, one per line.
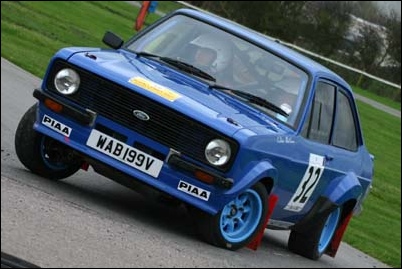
column 213, row 55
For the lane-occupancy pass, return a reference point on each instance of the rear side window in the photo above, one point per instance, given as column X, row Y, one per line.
column 345, row 128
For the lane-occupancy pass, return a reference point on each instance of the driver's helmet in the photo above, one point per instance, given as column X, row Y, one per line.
column 222, row 47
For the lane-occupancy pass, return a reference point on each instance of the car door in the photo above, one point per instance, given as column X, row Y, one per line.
column 326, row 150
column 314, row 147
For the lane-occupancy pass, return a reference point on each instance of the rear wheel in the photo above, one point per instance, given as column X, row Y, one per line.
column 313, row 243
column 238, row 222
column 43, row 155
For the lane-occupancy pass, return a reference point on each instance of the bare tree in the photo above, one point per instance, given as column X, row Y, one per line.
column 368, row 46
column 369, row 11
column 394, row 44
column 327, row 24
column 279, row 19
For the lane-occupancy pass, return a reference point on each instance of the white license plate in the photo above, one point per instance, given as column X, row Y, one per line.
column 124, row 153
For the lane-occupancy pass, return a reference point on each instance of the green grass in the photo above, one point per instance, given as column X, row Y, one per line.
column 377, row 231
column 31, row 32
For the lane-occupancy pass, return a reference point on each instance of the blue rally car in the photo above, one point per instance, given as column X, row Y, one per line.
column 245, row 132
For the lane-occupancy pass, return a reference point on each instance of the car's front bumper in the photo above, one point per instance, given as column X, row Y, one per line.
column 176, row 176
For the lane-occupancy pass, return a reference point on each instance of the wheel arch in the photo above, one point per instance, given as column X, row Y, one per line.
column 268, row 183
column 263, row 171
column 343, row 189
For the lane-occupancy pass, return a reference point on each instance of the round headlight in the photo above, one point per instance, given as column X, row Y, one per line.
column 67, row 81
column 217, row 152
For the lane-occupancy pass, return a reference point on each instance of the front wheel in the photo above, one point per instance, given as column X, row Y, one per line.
column 313, row 243
column 238, row 222
column 43, row 155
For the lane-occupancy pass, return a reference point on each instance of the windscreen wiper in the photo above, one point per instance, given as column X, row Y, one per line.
column 178, row 64
column 252, row 98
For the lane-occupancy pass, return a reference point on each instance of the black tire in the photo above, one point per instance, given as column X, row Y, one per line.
column 43, row 155
column 312, row 243
column 225, row 228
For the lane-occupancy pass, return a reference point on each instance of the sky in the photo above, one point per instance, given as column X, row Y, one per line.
column 390, row 5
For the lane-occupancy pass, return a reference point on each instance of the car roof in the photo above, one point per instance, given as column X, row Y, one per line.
column 309, row 65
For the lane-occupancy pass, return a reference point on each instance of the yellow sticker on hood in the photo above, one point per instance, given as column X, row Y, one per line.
column 155, row 88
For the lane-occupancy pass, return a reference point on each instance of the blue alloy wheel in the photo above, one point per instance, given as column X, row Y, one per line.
column 51, row 154
column 329, row 230
column 240, row 217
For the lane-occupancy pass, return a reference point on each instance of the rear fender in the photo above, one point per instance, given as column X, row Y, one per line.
column 343, row 189
column 338, row 192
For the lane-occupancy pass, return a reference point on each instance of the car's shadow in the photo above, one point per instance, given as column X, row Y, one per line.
column 91, row 191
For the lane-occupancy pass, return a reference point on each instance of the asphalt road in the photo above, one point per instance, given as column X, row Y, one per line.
column 379, row 106
column 90, row 221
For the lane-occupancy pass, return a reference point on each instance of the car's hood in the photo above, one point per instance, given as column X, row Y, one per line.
column 190, row 95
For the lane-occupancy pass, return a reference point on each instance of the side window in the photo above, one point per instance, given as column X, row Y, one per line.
column 345, row 128
column 318, row 125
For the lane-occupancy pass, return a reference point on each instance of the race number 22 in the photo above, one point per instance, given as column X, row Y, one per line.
column 308, row 183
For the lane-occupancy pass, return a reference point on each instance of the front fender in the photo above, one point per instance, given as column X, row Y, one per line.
column 343, row 188
column 258, row 171
column 253, row 173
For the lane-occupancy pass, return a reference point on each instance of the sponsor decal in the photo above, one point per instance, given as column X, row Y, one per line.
column 285, row 140
column 56, row 126
column 155, row 88
column 193, row 190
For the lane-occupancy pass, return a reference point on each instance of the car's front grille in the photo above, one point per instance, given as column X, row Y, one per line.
column 165, row 126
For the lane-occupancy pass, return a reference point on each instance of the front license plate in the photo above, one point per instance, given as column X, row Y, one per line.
column 124, row 153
